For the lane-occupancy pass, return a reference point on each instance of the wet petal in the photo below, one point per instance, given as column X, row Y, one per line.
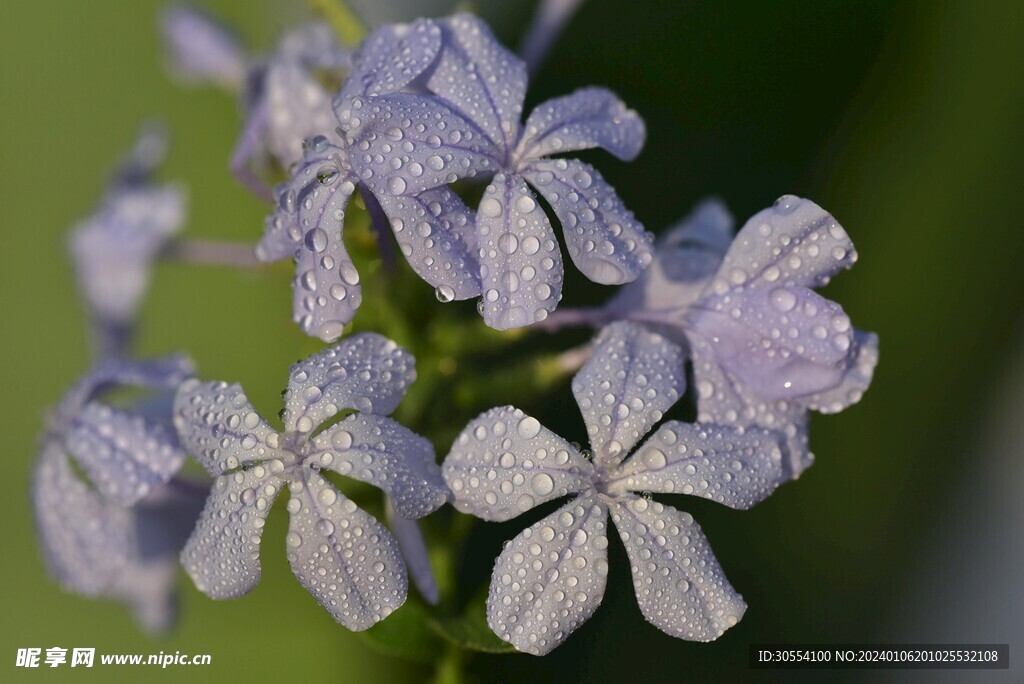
column 389, row 59
column 86, row 540
column 402, row 144
column 220, row 428
column 733, row 466
column 113, row 250
column 379, row 451
column 150, row 590
column 485, row 81
column 297, row 108
column 781, row 342
column 308, row 224
column 589, row 117
column 124, row 455
column 414, row 551
column 436, row 233
column 344, row 557
column 861, row 368
column 604, row 239
column 679, row 584
column 366, row 372
column 223, row 554
column 520, row 263
column 722, row 400
column 794, row 242
column 626, row 386
column 686, row 257
column 551, row 578
column 505, row 462
column 201, row 49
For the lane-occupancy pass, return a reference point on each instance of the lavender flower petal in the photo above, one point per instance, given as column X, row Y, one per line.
column 389, row 59
column 604, row 239
column 414, row 551
column 679, row 584
column 794, row 242
column 223, row 554
column 343, row 556
column 863, row 359
column 520, row 262
column 551, row 578
column 735, row 467
column 125, row 456
column 297, row 108
column 436, row 233
column 781, row 342
column 219, row 427
column 201, row 49
column 631, row 379
column 86, row 540
column 389, row 456
column 530, row 463
column 589, row 117
column 483, row 80
column 403, row 144
column 366, row 372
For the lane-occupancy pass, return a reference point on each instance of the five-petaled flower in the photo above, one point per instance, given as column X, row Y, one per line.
column 343, row 556
column 118, row 534
column 551, row 578
column 403, row 143
column 766, row 348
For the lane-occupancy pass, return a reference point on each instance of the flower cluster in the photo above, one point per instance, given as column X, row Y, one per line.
column 410, row 120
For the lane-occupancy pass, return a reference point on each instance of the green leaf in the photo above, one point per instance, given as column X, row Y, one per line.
column 469, row 630
column 405, row 634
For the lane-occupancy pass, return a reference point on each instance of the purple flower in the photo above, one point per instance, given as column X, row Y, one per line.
column 765, row 347
column 113, row 249
column 344, row 557
column 118, row 534
column 551, row 578
column 436, row 101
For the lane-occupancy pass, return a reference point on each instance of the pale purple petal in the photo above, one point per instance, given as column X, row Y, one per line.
column 389, row 59
column 201, row 49
column 551, row 578
column 124, row 455
column 366, row 372
column 604, row 239
column 862, row 361
column 436, row 233
column 782, row 342
column 164, row 373
column 589, row 117
column 149, row 589
column 481, row 78
column 679, row 584
column 343, row 556
column 220, row 428
column 86, row 540
column 414, row 551
column 794, row 242
column 724, row 401
column 308, row 224
column 521, row 266
column 686, row 256
column 505, row 462
column 297, row 108
column 315, row 46
column 402, row 144
column 113, row 250
column 733, row 466
column 626, row 386
column 379, row 451
column 223, row 554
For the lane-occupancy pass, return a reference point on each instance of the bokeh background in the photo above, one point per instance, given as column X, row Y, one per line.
column 905, row 120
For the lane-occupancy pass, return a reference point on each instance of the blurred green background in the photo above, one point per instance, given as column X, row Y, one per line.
column 905, row 120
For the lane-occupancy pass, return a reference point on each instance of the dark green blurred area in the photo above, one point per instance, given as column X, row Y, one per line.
column 905, row 120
